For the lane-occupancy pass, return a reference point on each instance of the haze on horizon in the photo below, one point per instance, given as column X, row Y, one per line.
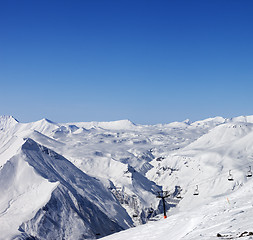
column 147, row 61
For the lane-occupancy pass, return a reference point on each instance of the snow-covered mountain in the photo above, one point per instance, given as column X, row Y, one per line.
column 91, row 179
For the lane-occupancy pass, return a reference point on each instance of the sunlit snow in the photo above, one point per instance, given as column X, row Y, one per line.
column 92, row 179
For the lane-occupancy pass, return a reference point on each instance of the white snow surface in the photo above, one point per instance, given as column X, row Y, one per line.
column 57, row 178
column 229, row 215
column 19, row 184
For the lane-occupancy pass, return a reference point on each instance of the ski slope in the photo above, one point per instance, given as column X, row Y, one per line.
column 92, row 179
column 228, row 216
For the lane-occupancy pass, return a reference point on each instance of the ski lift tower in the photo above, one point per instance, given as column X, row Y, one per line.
column 163, row 195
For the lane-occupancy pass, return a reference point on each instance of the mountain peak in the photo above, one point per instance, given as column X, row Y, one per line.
column 46, row 121
column 8, row 118
column 7, row 121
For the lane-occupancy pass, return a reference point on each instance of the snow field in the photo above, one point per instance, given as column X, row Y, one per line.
column 95, row 177
column 229, row 215
column 23, row 193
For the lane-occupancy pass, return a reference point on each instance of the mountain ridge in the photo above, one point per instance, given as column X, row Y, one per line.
column 111, row 171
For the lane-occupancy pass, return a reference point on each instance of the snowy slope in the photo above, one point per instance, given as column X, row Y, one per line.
column 229, row 217
column 38, row 186
column 222, row 207
column 80, row 200
column 45, row 196
column 23, row 193
column 100, row 178
column 207, row 160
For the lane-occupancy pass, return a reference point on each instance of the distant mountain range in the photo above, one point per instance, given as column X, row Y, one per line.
column 88, row 180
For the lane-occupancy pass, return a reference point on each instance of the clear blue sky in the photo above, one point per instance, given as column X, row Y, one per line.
column 148, row 61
